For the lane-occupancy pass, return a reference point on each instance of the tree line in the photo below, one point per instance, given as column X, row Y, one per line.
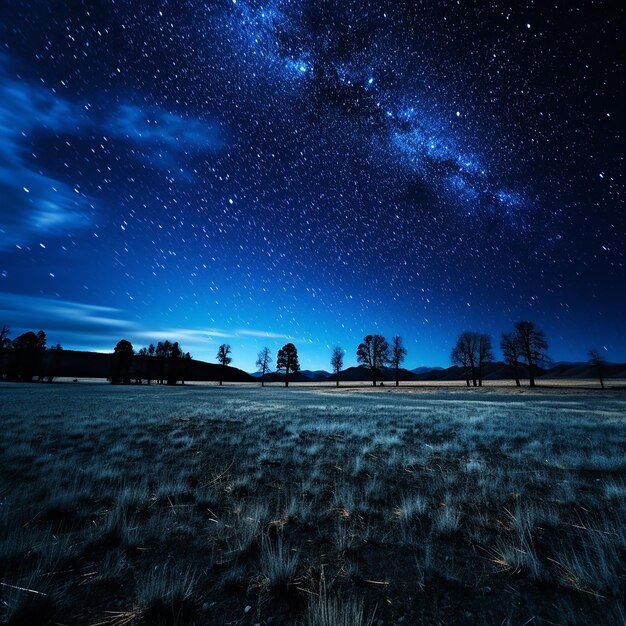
column 165, row 363
column 27, row 357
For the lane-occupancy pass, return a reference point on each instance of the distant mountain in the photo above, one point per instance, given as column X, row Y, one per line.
column 585, row 370
column 316, row 374
column 502, row 371
column 491, row 371
column 424, row 370
column 361, row 372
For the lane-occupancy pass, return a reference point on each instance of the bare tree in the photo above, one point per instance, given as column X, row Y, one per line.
column 223, row 357
column 374, row 354
column 398, row 354
column 511, row 352
column 465, row 353
column 263, row 363
column 287, row 360
column 533, row 346
column 459, row 357
column 485, row 354
column 598, row 363
column 336, row 361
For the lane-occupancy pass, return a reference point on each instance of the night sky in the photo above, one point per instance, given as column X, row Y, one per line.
column 255, row 172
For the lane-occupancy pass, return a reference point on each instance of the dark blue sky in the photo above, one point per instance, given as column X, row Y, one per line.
column 249, row 172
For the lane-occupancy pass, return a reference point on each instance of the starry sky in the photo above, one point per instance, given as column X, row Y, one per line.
column 257, row 172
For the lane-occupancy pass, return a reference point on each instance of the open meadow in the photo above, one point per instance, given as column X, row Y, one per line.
column 241, row 505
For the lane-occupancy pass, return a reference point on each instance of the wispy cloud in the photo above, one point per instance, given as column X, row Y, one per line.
column 262, row 333
column 162, row 139
column 154, row 126
column 34, row 202
column 95, row 327
column 184, row 334
column 62, row 316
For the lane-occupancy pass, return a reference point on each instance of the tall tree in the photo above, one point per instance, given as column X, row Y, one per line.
column 398, row 354
column 162, row 352
column 174, row 365
column 511, row 353
column 287, row 359
column 458, row 356
column 122, row 361
column 186, row 367
column 533, row 346
column 336, row 361
column 599, row 364
column 29, row 348
column 150, row 369
column 264, row 358
column 485, row 353
column 223, row 357
column 465, row 353
column 374, row 354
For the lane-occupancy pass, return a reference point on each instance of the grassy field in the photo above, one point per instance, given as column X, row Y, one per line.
column 241, row 505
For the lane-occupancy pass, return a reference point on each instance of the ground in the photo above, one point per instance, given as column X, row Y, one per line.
column 242, row 505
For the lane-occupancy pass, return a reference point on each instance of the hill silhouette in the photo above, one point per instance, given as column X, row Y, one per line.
column 78, row 364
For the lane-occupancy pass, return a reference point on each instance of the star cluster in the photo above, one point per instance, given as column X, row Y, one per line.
column 313, row 171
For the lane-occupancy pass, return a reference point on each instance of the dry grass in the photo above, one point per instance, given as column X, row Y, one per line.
column 202, row 505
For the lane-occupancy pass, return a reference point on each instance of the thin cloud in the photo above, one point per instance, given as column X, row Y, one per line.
column 91, row 326
column 34, row 202
column 37, row 203
column 263, row 333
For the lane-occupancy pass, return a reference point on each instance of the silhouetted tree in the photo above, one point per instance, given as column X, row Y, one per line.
column 122, row 361
column 465, row 353
column 511, row 353
column 174, row 363
column 398, row 354
column 186, row 367
column 533, row 346
column 287, row 360
column 140, row 366
column 374, row 354
column 336, row 361
column 162, row 352
column 29, row 348
column 458, row 356
column 5, row 342
column 5, row 346
column 599, row 364
column 485, row 354
column 223, row 357
column 150, row 363
column 264, row 358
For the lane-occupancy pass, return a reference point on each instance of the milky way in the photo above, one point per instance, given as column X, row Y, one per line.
column 254, row 171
